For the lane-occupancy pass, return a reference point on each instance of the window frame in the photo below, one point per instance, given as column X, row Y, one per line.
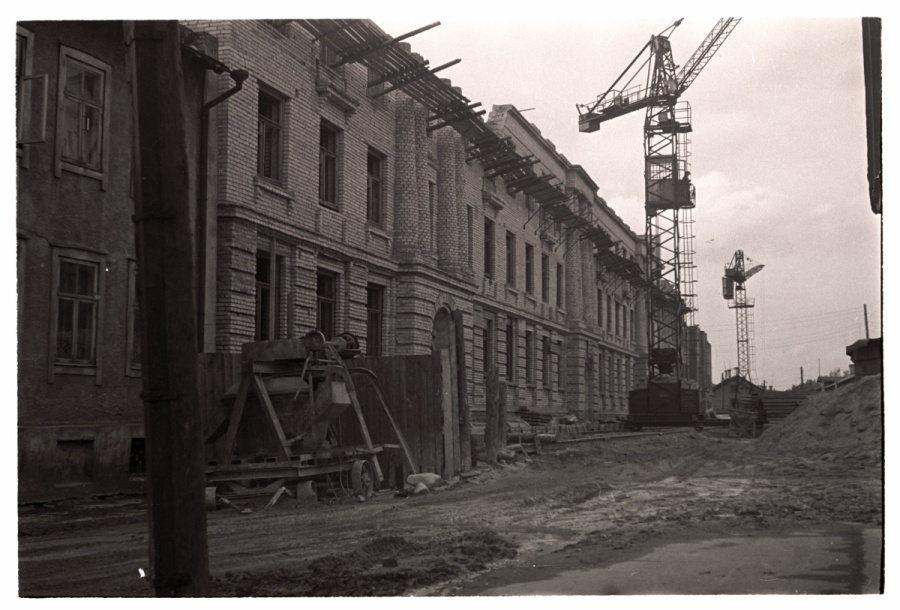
column 321, row 300
column 81, row 257
column 378, row 313
column 489, row 256
column 279, row 128
column 545, row 277
column 548, row 364
column 561, row 365
column 529, row 358
column 60, row 164
column 560, row 285
column 329, row 159
column 600, row 307
column 276, row 325
column 510, row 259
column 375, row 214
column 529, row 269
column 511, row 350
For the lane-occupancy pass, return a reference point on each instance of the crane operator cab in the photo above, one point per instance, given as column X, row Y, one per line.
column 668, row 185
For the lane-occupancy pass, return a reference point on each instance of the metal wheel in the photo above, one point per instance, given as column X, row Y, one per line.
column 361, row 480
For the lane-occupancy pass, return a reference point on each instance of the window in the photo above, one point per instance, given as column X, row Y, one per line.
column 269, row 135
column 632, row 325
column 137, row 462
column 82, row 120
column 529, row 268
column 374, row 190
column 561, row 366
column 618, row 320
column 486, row 349
column 326, row 303
column 470, row 228
column 489, row 248
column 269, row 323
column 133, row 329
column 374, row 319
column 599, row 370
column 78, row 279
column 545, row 278
column 328, row 165
column 560, row 287
column 609, row 314
column 529, row 357
column 610, row 378
column 546, row 364
column 510, row 349
column 599, row 307
column 31, row 97
column 510, row 259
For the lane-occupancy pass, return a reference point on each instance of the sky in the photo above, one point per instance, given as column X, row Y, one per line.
column 778, row 144
column 778, row 156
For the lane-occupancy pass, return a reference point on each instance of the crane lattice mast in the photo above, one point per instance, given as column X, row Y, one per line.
column 669, row 194
column 734, row 290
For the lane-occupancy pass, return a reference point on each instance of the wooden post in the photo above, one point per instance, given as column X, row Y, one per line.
column 447, row 406
column 501, row 414
column 866, row 318
column 164, row 209
column 465, row 425
column 491, row 408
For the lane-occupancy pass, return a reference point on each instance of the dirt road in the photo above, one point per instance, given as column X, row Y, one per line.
column 579, row 504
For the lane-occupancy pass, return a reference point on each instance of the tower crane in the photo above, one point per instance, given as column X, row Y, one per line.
column 735, row 292
column 652, row 81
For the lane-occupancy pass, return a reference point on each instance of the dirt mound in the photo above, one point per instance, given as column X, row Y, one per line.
column 847, row 421
column 384, row 566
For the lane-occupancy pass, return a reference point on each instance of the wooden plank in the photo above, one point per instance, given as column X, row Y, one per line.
column 491, row 416
column 447, row 412
column 269, row 351
column 263, row 395
column 226, row 449
column 465, row 438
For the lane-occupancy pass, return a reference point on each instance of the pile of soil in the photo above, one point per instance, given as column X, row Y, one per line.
column 386, row 566
column 845, row 423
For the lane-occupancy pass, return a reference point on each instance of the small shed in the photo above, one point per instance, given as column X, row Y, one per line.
column 866, row 355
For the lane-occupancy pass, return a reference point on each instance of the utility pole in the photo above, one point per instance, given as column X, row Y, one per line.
column 166, row 270
column 866, row 319
column 801, row 375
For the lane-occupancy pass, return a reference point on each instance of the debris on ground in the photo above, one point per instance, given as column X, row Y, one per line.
column 386, row 566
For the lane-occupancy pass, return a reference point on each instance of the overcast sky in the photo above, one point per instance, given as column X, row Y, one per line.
column 778, row 147
column 778, row 159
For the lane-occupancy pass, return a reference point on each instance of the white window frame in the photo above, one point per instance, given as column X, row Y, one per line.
column 56, row 367
column 60, row 164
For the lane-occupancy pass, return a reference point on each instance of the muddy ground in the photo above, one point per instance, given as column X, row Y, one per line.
column 593, row 501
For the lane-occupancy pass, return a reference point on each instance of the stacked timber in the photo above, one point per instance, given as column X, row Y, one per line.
column 779, row 405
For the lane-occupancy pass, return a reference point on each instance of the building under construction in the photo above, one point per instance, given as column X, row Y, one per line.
column 345, row 187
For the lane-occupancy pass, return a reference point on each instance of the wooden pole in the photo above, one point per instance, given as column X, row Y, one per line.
column 491, row 415
column 164, row 208
column 501, row 413
column 866, row 318
column 465, row 426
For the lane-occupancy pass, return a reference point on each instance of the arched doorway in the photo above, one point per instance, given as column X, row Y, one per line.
column 443, row 341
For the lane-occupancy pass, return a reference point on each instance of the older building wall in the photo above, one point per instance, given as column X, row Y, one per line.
column 80, row 421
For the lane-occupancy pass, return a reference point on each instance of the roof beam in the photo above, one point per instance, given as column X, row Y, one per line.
column 361, row 51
